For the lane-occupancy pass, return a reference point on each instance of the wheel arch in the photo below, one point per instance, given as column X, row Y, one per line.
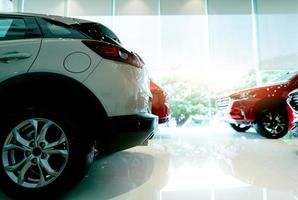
column 269, row 102
column 59, row 90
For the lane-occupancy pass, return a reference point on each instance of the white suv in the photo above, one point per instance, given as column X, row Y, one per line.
column 66, row 86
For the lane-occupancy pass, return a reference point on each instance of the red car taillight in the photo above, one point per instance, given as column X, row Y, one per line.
column 114, row 52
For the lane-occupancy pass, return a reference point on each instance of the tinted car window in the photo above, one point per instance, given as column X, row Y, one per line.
column 56, row 29
column 98, row 32
column 4, row 26
column 12, row 28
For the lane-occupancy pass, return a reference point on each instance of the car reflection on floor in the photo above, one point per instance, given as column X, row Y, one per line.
column 134, row 173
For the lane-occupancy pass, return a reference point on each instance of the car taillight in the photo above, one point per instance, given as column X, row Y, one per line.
column 114, row 52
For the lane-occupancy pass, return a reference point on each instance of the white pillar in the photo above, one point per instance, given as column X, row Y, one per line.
column 66, row 8
column 256, row 41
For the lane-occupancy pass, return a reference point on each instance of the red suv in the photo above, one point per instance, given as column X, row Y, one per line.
column 264, row 107
column 293, row 110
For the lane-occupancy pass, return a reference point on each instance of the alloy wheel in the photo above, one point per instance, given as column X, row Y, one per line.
column 35, row 153
column 274, row 122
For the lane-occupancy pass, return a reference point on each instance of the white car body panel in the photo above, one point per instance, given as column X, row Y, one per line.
column 54, row 53
column 17, row 65
column 125, row 84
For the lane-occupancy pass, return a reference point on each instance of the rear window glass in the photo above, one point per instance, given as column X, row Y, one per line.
column 12, row 28
column 98, row 32
column 55, row 29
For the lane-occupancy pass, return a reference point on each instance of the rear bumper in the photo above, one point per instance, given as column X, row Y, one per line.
column 163, row 113
column 123, row 132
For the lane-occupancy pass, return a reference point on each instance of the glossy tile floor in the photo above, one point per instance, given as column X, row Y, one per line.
column 205, row 163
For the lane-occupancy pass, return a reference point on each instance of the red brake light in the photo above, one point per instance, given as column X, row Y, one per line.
column 114, row 52
column 107, row 51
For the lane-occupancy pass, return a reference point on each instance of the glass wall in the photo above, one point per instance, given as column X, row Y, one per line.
column 192, row 34
column 6, row 6
column 278, row 27
column 279, row 41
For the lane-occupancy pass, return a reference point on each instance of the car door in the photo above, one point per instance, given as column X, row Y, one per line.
column 20, row 41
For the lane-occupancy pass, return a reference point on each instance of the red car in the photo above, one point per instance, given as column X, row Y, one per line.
column 159, row 102
column 292, row 109
column 264, row 107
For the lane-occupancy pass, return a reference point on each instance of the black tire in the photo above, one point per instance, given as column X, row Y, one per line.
column 240, row 127
column 272, row 123
column 48, row 174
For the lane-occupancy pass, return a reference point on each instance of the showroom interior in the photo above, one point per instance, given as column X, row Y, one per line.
column 198, row 51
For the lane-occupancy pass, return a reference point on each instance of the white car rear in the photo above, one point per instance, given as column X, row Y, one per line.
column 66, row 86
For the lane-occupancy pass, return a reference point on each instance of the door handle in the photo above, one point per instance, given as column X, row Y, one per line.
column 13, row 56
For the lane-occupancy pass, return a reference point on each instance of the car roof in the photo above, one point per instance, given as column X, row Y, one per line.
column 65, row 20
